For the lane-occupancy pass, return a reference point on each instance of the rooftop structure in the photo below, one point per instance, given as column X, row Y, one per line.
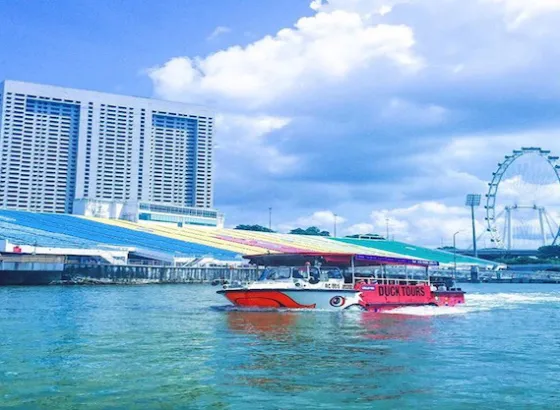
column 28, row 232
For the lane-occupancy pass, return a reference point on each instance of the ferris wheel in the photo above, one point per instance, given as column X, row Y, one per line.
column 523, row 200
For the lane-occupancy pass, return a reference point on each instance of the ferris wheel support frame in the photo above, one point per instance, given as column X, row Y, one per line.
column 493, row 191
column 541, row 223
column 550, row 227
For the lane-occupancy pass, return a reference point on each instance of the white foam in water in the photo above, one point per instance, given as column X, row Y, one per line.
column 481, row 302
column 428, row 310
column 516, row 298
column 511, row 300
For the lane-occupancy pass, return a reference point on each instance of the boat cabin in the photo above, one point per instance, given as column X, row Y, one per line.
column 337, row 281
column 345, row 269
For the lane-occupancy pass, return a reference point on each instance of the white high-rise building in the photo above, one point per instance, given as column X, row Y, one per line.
column 84, row 152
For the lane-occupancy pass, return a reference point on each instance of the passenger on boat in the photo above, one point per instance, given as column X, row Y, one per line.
column 314, row 276
column 334, row 274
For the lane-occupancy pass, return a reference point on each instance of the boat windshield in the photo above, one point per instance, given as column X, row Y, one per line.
column 276, row 273
column 285, row 272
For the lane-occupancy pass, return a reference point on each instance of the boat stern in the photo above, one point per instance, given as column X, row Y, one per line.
column 451, row 297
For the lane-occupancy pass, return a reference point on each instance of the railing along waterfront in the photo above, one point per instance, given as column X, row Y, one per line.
column 154, row 274
column 511, row 276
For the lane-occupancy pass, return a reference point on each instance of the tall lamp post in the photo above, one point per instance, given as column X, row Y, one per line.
column 270, row 218
column 473, row 200
column 387, row 226
column 455, row 254
column 334, row 233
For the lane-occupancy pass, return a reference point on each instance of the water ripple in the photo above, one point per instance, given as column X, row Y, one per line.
column 149, row 347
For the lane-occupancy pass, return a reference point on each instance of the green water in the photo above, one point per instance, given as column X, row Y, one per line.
column 173, row 346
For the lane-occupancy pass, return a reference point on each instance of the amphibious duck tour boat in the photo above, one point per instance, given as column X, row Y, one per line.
column 337, row 281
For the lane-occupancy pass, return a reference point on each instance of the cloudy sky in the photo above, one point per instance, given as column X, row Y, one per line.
column 368, row 109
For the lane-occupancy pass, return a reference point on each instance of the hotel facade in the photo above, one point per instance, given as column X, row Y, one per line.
column 96, row 154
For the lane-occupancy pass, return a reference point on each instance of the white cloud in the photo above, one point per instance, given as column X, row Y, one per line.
column 324, row 47
column 464, row 151
column 399, row 110
column 321, row 219
column 218, row 31
column 247, row 138
column 517, row 190
column 316, row 5
column 366, row 8
column 359, row 228
column 519, row 12
column 255, row 128
column 342, row 39
column 431, row 223
column 516, row 12
column 397, row 96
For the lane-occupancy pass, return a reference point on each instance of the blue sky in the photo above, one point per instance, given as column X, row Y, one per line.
column 370, row 109
column 105, row 45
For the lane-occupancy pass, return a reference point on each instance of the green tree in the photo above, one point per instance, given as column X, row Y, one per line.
column 549, row 252
column 522, row 260
column 298, row 231
column 311, row 231
column 257, row 228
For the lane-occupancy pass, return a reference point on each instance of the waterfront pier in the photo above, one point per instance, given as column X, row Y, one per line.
column 52, row 270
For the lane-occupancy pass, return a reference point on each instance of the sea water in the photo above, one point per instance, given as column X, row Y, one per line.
column 180, row 346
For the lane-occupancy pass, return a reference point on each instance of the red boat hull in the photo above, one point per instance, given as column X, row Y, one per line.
column 264, row 299
column 372, row 297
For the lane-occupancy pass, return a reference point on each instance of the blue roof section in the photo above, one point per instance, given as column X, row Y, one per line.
column 59, row 230
column 23, row 235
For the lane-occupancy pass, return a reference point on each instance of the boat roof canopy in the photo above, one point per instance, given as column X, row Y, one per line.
column 333, row 259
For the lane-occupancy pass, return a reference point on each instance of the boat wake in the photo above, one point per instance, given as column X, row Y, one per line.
column 482, row 302
column 428, row 311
